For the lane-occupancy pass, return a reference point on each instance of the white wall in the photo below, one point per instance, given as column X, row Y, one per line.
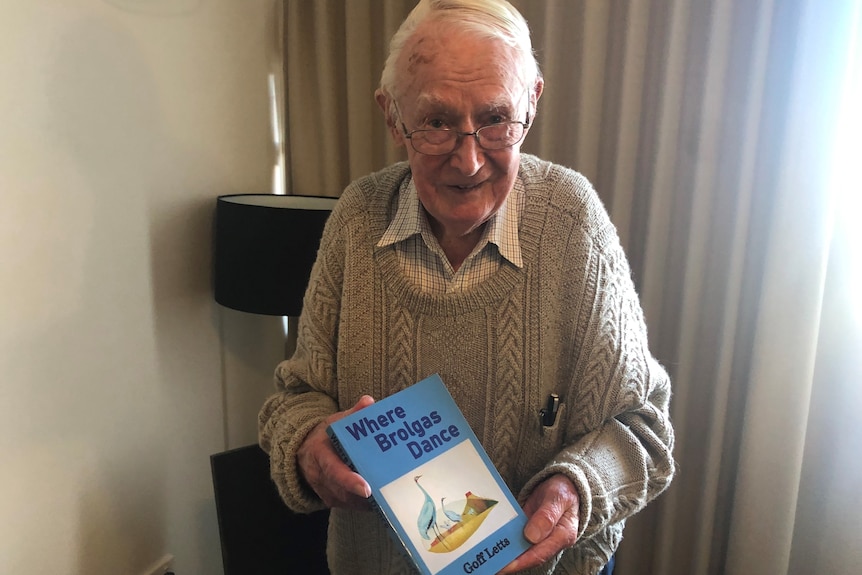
column 120, row 122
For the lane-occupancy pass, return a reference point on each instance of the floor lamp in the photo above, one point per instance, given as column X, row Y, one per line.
column 265, row 246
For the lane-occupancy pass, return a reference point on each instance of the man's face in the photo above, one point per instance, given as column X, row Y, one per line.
column 455, row 81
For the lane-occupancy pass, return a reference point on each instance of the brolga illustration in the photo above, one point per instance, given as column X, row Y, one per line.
column 427, row 520
column 450, row 515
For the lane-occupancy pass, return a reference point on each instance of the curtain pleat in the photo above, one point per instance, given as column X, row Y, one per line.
column 685, row 116
column 334, row 53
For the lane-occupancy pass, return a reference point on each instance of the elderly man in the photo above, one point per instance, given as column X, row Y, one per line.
column 495, row 269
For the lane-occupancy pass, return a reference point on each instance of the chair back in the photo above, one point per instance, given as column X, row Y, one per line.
column 259, row 534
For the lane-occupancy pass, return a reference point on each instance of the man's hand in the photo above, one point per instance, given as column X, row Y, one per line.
column 321, row 467
column 552, row 510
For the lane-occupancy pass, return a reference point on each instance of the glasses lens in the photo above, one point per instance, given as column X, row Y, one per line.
column 434, row 142
column 442, row 142
column 497, row 136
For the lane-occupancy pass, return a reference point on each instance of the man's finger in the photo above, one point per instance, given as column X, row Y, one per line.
column 361, row 403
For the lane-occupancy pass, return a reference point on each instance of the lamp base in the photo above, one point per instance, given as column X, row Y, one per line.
column 291, row 329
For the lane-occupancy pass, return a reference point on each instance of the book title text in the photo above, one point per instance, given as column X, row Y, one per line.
column 420, row 436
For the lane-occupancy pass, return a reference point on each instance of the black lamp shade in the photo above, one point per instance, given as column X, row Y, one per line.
column 265, row 246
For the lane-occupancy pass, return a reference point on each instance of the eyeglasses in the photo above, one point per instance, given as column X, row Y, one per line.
column 490, row 137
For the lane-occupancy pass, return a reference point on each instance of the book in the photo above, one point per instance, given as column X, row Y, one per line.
column 432, row 481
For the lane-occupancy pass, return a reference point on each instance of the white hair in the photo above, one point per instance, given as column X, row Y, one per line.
column 489, row 19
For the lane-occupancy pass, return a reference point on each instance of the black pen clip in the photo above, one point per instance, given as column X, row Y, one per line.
column 549, row 412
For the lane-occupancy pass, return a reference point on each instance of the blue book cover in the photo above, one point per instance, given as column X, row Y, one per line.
column 432, row 481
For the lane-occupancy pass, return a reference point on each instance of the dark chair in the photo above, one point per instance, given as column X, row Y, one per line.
column 259, row 534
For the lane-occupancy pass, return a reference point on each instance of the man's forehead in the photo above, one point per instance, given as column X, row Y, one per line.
column 436, row 56
column 504, row 100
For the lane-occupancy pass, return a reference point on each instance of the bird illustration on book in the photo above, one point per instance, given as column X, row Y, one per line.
column 450, row 515
column 458, row 527
column 427, row 520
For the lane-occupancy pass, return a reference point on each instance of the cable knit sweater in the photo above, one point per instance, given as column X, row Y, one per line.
column 568, row 322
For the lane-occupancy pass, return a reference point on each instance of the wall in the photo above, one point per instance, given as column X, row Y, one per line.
column 120, row 122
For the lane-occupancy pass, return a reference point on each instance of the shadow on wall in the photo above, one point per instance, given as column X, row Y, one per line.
column 252, row 346
column 157, row 7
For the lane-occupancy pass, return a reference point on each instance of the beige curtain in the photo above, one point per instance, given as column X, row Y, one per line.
column 333, row 55
column 706, row 127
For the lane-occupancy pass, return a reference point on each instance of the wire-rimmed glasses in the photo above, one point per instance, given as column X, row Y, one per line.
column 444, row 141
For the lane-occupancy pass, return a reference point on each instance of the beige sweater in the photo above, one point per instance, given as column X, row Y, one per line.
column 568, row 322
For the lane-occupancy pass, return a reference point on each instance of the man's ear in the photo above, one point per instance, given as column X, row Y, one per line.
column 384, row 102
column 537, row 93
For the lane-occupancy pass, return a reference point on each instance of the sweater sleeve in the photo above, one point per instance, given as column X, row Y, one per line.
column 618, row 449
column 306, row 390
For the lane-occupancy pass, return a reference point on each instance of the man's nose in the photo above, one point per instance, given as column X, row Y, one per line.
column 468, row 155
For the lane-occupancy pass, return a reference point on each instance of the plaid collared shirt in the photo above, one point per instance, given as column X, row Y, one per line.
column 422, row 259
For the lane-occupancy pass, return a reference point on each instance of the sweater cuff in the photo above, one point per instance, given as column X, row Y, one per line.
column 284, row 468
